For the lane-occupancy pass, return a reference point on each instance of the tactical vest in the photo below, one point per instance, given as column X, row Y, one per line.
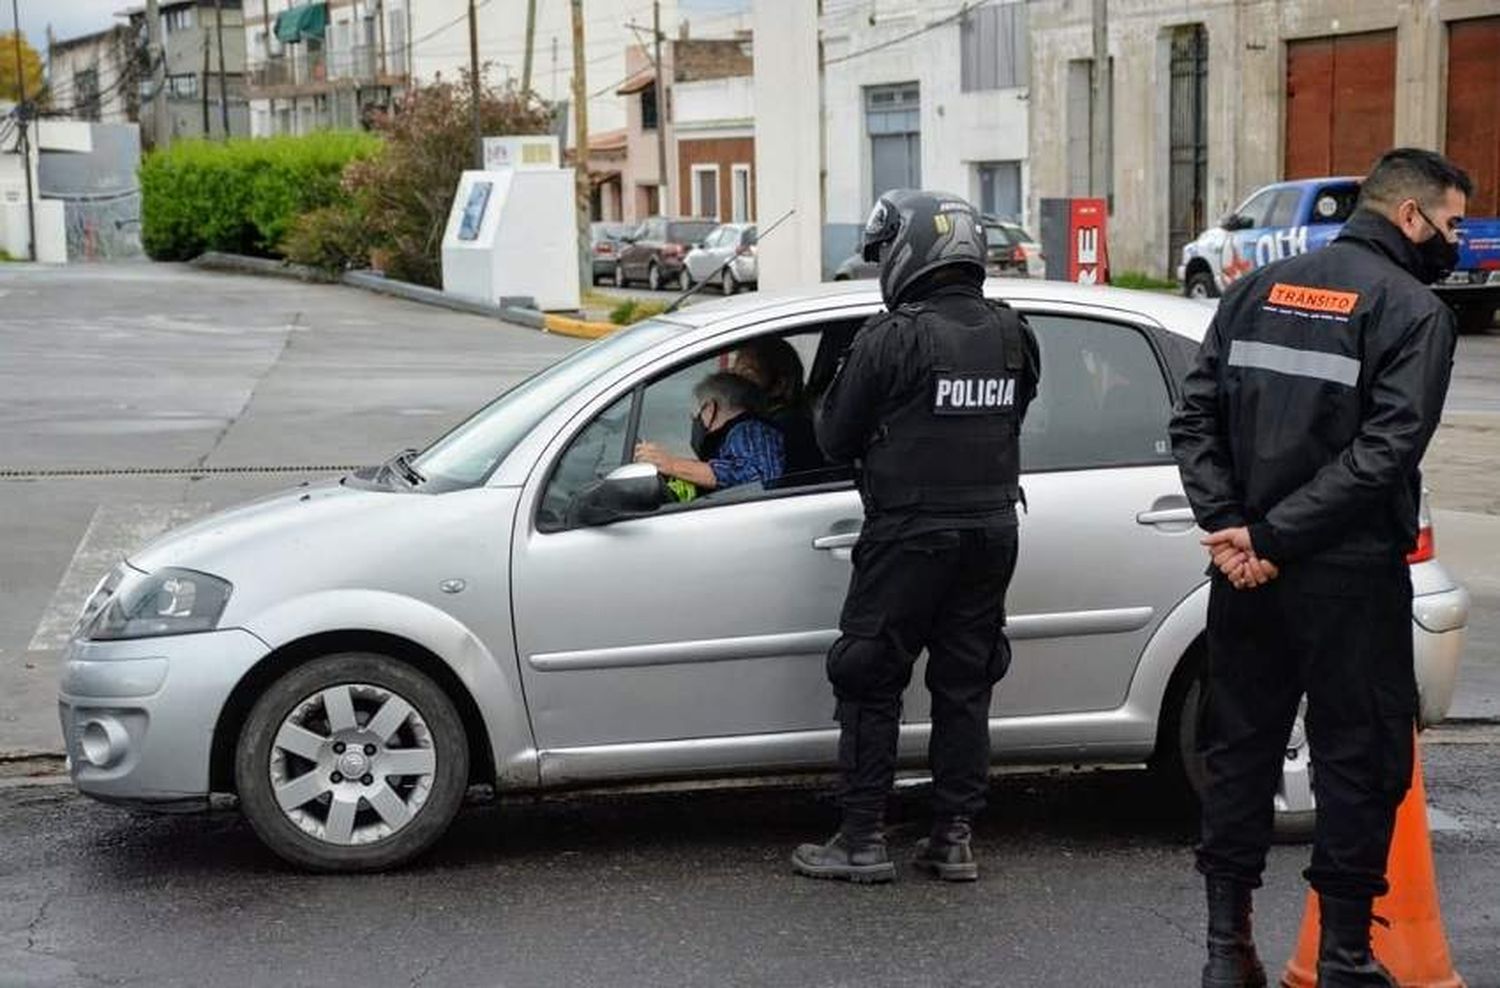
column 952, row 446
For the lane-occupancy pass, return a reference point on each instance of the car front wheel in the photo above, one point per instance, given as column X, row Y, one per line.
column 620, row 274
column 351, row 762
column 1200, row 284
column 728, row 284
column 653, row 277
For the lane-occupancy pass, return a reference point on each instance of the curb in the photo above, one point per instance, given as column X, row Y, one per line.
column 580, row 328
column 241, row 264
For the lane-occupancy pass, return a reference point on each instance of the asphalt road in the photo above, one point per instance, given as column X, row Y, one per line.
column 1086, row 881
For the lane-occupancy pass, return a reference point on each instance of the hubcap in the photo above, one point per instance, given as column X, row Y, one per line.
column 352, row 764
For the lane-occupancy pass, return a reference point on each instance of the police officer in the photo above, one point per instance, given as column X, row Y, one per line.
column 928, row 403
column 1317, row 388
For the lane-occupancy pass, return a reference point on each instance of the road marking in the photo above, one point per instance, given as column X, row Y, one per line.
column 1443, row 822
column 114, row 531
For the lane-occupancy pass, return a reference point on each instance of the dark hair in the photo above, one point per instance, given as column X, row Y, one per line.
column 778, row 362
column 731, row 391
column 1412, row 173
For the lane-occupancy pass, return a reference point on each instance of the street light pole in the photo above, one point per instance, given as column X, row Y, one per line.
column 581, row 196
column 474, row 85
column 24, row 113
column 1101, row 156
column 161, row 133
column 664, row 186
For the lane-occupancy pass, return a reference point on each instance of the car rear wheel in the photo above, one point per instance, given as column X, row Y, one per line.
column 728, row 283
column 1295, row 809
column 351, row 762
column 620, row 275
column 653, row 277
column 1200, row 284
column 684, row 279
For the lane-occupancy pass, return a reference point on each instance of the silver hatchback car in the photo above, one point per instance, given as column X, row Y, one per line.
column 348, row 658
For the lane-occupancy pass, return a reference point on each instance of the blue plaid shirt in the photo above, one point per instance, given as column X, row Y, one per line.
column 752, row 451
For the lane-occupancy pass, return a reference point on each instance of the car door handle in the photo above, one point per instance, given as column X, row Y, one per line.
column 843, row 540
column 1166, row 516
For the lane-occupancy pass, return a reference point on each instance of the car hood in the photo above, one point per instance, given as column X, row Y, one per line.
column 288, row 522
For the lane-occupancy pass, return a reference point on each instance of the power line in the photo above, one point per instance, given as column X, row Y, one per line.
column 962, row 12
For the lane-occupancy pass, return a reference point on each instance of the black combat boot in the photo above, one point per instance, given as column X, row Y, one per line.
column 1344, row 957
column 1232, row 961
column 946, row 853
column 856, row 853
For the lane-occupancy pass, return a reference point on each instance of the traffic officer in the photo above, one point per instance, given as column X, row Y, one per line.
column 1317, row 388
column 928, row 403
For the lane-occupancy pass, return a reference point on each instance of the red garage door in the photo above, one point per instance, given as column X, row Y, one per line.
column 1473, row 139
column 1340, row 103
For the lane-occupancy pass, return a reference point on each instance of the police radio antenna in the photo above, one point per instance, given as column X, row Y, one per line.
column 759, row 236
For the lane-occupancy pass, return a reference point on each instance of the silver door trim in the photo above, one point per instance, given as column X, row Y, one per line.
column 676, row 653
column 1069, row 624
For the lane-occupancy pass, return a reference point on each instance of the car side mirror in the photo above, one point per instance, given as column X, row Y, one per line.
column 1234, row 221
column 628, row 491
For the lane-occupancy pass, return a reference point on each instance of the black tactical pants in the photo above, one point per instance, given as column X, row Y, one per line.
column 943, row 591
column 1343, row 636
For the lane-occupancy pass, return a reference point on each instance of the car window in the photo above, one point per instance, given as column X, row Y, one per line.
column 663, row 412
column 597, row 450
column 1103, row 400
column 469, row 453
column 996, row 236
column 1019, row 234
column 1284, row 208
column 747, row 237
column 1258, row 207
column 688, row 233
column 1335, row 203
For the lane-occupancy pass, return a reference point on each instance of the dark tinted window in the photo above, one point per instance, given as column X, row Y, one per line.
column 1334, row 203
column 689, row 233
column 1103, row 400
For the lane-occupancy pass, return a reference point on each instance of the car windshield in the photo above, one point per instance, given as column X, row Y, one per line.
column 995, row 236
column 689, row 233
column 468, row 454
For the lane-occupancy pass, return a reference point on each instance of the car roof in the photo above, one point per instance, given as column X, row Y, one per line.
column 1302, row 183
column 1183, row 316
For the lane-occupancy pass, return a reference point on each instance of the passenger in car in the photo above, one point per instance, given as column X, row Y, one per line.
column 734, row 445
column 772, row 363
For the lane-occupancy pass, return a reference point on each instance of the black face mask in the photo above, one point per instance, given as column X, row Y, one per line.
column 700, row 438
column 1437, row 255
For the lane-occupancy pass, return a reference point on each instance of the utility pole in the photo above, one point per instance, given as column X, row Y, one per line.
column 581, row 149
column 530, row 45
column 1101, row 155
column 663, row 185
column 203, row 87
column 265, row 13
column 380, row 30
column 161, row 131
column 24, row 112
column 474, row 85
column 223, row 82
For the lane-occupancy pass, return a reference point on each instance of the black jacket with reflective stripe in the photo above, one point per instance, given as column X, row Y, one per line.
column 929, row 401
column 1317, row 389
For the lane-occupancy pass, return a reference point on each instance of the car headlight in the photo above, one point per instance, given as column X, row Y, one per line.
column 105, row 590
column 167, row 602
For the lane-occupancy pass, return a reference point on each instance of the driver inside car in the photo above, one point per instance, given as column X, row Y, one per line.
column 732, row 443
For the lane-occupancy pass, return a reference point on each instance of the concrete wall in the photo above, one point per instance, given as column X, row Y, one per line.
column 788, row 142
column 958, row 129
column 1246, row 95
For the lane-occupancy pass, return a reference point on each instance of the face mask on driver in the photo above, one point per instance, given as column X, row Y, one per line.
column 1438, row 256
column 701, row 437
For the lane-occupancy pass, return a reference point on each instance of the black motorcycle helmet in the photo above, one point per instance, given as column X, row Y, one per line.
column 911, row 232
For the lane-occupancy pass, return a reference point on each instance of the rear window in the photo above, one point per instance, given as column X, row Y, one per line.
column 688, row 233
column 997, row 236
column 1334, row 203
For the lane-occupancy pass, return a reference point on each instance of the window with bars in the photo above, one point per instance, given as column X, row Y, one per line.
column 995, row 51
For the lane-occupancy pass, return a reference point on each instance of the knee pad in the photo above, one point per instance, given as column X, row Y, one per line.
column 864, row 667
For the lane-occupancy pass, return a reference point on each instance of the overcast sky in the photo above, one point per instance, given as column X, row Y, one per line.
column 70, row 18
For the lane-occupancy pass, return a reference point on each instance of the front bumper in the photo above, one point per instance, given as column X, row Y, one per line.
column 1440, row 617
column 138, row 717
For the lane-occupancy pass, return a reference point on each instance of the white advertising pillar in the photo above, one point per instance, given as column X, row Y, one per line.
column 788, row 146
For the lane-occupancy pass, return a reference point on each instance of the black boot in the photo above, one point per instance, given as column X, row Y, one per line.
column 856, row 853
column 1344, row 957
column 946, row 854
column 1232, row 961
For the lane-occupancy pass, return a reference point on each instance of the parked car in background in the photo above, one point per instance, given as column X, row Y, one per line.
column 733, row 243
column 1288, row 218
column 604, row 247
column 654, row 252
column 517, row 605
column 1011, row 253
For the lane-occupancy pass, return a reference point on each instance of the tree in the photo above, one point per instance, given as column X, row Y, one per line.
column 31, row 63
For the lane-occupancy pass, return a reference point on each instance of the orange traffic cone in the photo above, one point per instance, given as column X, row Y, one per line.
column 1414, row 947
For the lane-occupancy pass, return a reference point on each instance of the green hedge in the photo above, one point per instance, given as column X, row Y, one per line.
column 240, row 196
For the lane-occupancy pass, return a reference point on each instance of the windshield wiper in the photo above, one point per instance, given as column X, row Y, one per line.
column 401, row 463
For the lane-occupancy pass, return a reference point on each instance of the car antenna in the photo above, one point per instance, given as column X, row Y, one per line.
column 676, row 302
